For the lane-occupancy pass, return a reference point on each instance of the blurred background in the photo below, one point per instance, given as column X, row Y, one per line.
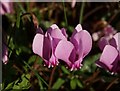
column 24, row 70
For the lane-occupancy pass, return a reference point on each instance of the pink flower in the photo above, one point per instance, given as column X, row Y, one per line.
column 44, row 44
column 107, row 32
column 4, row 54
column 73, row 3
column 72, row 52
column 110, row 58
column 6, row 7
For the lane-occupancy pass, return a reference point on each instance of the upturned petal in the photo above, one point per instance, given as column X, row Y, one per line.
column 39, row 30
column 55, row 32
column 78, row 28
column 86, row 41
column 103, row 42
column 56, row 35
column 108, row 56
column 117, row 39
column 109, row 30
column 37, row 45
column 64, row 32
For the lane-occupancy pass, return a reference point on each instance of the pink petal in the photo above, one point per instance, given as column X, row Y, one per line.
column 54, row 26
column 53, row 61
column 113, row 42
column 103, row 42
column 116, row 67
column 108, row 56
column 117, row 39
column 4, row 53
column 39, row 30
column 56, row 33
column 47, row 48
column 86, row 41
column 78, row 28
column 73, row 3
column 78, row 50
column 63, row 50
column 109, row 30
column 37, row 45
column 64, row 32
column 72, row 56
column 6, row 7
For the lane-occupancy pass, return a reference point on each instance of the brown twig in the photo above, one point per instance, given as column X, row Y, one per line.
column 91, row 78
column 51, row 78
column 109, row 86
column 17, row 68
column 92, row 11
column 112, row 18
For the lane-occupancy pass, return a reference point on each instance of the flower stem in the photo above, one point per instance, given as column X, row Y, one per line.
column 81, row 12
column 51, row 78
column 65, row 13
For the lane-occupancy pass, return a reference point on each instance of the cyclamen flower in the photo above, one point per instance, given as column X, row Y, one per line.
column 72, row 52
column 6, row 7
column 73, row 3
column 4, row 54
column 107, row 32
column 110, row 58
column 44, row 44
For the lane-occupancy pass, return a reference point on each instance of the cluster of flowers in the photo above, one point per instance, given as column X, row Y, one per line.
column 54, row 45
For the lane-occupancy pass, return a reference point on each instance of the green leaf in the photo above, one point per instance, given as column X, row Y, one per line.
column 89, row 63
column 18, row 20
column 32, row 59
column 16, row 87
column 10, row 85
column 21, row 7
column 70, row 29
column 58, row 83
column 73, row 83
column 25, row 81
column 79, row 83
column 22, row 83
column 65, row 70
